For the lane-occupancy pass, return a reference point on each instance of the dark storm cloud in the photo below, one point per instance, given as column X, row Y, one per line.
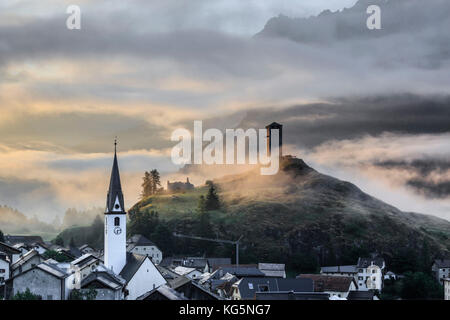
column 425, row 171
column 432, row 190
column 422, row 166
column 313, row 124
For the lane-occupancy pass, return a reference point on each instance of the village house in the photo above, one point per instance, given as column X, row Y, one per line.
column 335, row 286
column 29, row 260
column 441, row 269
column 141, row 276
column 46, row 280
column 83, row 267
column 276, row 270
column 368, row 273
column 22, row 247
column 190, row 273
column 139, row 244
column 107, row 285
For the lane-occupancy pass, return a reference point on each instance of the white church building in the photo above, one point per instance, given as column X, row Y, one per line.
column 138, row 271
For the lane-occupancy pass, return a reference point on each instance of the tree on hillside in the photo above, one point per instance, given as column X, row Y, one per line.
column 2, row 236
column 151, row 183
column 156, row 181
column 59, row 240
column 420, row 286
column 212, row 201
column 146, row 185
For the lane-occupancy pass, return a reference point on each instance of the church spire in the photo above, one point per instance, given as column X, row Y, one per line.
column 114, row 202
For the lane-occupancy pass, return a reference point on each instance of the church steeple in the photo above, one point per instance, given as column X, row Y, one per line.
column 114, row 201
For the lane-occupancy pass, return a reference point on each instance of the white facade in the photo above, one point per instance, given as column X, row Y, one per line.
column 370, row 278
column 4, row 270
column 146, row 278
column 115, row 241
column 447, row 289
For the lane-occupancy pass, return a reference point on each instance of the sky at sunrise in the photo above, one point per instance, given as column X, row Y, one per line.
column 369, row 108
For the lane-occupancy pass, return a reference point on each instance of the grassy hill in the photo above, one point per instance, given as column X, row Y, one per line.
column 305, row 219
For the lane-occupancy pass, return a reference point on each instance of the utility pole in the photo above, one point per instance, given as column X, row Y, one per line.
column 236, row 243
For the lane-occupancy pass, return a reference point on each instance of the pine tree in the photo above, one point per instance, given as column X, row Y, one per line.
column 146, row 185
column 155, row 181
column 212, row 199
column 2, row 236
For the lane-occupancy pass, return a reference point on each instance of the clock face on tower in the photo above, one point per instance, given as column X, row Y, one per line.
column 117, row 230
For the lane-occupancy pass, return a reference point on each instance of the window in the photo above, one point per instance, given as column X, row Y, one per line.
column 2, row 279
column 250, row 286
column 263, row 288
column 2, row 270
column 373, row 271
column 50, row 297
column 116, row 221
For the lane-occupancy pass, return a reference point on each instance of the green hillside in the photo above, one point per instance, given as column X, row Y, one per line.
column 305, row 219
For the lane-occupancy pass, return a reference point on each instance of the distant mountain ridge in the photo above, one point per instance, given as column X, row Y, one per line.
column 350, row 23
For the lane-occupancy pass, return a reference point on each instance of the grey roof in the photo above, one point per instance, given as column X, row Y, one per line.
column 273, row 269
column 140, row 240
column 338, row 269
column 201, row 288
column 173, row 279
column 6, row 248
column 115, row 188
column 360, row 295
column 20, row 245
column 249, row 286
column 329, row 283
column 23, row 239
column 442, row 263
column 52, row 269
column 84, row 246
column 241, row 271
column 195, row 262
column 26, row 257
column 75, row 252
column 84, row 260
column 133, row 264
column 164, row 290
column 365, row 262
column 107, row 278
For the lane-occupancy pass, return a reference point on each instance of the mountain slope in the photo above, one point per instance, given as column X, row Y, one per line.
column 301, row 216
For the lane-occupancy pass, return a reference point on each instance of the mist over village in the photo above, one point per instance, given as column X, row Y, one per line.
column 221, row 151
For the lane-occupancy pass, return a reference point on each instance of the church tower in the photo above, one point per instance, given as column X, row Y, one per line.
column 115, row 222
